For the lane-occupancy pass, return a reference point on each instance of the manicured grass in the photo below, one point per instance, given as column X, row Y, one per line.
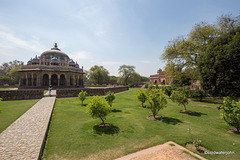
column 12, row 110
column 72, row 134
column 7, row 89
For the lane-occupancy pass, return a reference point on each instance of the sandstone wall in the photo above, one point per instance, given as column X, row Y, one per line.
column 22, row 94
column 90, row 92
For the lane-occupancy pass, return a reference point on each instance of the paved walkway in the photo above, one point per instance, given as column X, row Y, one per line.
column 53, row 94
column 24, row 139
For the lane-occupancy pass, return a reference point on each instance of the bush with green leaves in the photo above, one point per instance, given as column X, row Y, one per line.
column 82, row 96
column 156, row 86
column 98, row 108
column 142, row 96
column 156, row 101
column 180, row 97
column 231, row 112
column 146, row 85
column 110, row 97
column 168, row 90
column 198, row 94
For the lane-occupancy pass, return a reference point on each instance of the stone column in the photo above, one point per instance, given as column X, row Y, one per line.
column 58, row 80
column 32, row 79
column 67, row 79
column 49, row 76
column 26, row 80
column 78, row 80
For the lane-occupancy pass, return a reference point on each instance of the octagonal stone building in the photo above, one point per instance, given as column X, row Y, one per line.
column 52, row 67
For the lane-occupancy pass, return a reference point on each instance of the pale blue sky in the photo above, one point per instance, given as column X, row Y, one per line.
column 103, row 32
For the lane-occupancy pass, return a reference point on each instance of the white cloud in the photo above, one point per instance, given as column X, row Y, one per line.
column 9, row 41
column 81, row 55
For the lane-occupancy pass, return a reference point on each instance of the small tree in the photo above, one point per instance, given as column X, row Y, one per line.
column 110, row 97
column 168, row 90
column 142, row 96
column 180, row 98
column 98, row 108
column 82, row 96
column 231, row 112
column 157, row 101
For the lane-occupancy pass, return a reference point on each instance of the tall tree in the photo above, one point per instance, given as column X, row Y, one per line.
column 7, row 66
column 98, row 74
column 126, row 72
column 219, row 67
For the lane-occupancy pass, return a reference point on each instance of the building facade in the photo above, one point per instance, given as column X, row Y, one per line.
column 52, row 67
column 160, row 78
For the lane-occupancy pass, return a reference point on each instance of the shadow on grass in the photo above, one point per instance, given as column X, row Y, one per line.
column 170, row 120
column 193, row 113
column 109, row 129
column 210, row 100
column 116, row 110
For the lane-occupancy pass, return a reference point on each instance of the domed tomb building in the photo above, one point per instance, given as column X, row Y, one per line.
column 52, row 67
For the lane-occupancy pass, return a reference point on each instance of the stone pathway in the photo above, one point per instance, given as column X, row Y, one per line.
column 24, row 139
column 53, row 94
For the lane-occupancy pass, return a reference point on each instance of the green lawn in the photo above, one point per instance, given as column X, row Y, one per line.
column 7, row 89
column 12, row 110
column 72, row 135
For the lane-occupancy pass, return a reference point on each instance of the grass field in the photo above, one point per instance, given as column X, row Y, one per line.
column 7, row 89
column 72, row 134
column 12, row 110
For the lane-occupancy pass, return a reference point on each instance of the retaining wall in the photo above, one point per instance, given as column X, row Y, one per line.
column 22, row 94
column 60, row 93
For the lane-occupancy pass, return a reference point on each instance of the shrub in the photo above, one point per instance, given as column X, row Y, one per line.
column 142, row 96
column 146, row 85
column 168, row 90
column 231, row 112
column 98, row 108
column 156, row 101
column 110, row 97
column 156, row 86
column 198, row 94
column 82, row 96
column 180, row 98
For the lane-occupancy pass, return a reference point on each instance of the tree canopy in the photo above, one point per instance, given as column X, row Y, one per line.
column 219, row 67
column 98, row 74
column 128, row 74
column 182, row 53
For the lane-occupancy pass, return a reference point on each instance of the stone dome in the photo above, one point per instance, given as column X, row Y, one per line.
column 54, row 52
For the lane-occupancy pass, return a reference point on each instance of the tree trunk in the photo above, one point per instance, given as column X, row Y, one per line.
column 102, row 120
column 238, row 130
column 185, row 108
column 142, row 104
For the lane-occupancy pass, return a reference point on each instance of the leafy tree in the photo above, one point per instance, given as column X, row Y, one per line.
column 156, row 101
column 82, row 96
column 146, row 85
column 142, row 96
column 113, row 79
column 14, row 74
column 110, row 97
column 168, row 90
column 231, row 112
column 199, row 94
column 10, row 65
column 5, row 80
column 98, row 108
column 219, row 67
column 180, row 97
column 126, row 72
column 98, row 74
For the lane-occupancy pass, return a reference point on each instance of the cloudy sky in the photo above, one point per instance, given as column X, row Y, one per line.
column 103, row 32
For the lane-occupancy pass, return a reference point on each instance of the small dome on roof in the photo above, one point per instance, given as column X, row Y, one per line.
column 54, row 60
column 71, row 63
column 35, row 60
column 77, row 66
column 29, row 62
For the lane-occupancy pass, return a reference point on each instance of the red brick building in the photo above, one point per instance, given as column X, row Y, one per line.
column 160, row 78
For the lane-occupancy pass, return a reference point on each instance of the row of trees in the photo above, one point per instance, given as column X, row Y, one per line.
column 8, row 72
column 209, row 53
column 128, row 75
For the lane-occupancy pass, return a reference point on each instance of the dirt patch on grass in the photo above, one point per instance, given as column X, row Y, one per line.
column 156, row 118
column 200, row 149
column 233, row 130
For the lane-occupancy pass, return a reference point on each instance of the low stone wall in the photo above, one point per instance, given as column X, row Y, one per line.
column 22, row 94
column 60, row 93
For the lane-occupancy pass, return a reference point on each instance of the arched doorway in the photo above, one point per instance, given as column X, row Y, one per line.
column 34, row 79
column 54, row 80
column 62, row 80
column 45, row 80
column 71, row 80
